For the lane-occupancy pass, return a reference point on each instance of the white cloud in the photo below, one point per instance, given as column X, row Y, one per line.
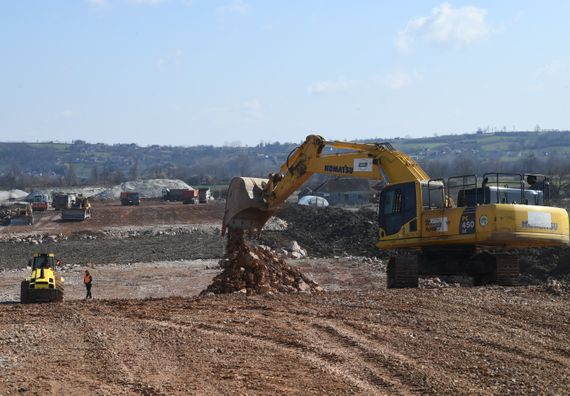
column 447, row 26
column 329, row 87
column 98, row 3
column 146, row 2
column 400, row 79
column 239, row 7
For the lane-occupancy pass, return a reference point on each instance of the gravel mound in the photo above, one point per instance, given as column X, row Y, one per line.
column 151, row 188
column 327, row 232
column 251, row 269
column 12, row 195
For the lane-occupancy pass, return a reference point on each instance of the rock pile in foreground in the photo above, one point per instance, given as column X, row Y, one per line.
column 255, row 269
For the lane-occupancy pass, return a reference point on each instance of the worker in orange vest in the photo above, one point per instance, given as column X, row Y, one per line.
column 88, row 280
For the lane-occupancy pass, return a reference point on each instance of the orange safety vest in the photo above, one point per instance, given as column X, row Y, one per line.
column 87, row 279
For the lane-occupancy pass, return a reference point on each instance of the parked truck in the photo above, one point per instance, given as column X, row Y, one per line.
column 175, row 194
column 129, row 198
column 190, row 197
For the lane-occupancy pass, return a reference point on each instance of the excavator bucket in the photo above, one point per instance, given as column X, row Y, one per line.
column 245, row 207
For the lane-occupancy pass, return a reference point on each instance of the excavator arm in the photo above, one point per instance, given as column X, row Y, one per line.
column 252, row 201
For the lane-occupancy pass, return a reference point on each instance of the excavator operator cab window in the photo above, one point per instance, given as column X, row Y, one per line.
column 397, row 207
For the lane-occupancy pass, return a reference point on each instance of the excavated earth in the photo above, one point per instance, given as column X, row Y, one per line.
column 148, row 331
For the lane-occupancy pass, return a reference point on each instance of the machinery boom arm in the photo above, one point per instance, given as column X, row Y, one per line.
column 251, row 201
column 375, row 161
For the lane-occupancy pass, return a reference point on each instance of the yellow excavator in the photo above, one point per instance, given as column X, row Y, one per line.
column 465, row 225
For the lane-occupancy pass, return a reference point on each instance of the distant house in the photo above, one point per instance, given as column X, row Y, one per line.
column 344, row 192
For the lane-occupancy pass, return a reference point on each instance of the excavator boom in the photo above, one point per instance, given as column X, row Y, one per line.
column 252, row 201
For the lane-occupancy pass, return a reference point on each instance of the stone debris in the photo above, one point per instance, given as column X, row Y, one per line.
column 433, row 283
column 253, row 269
column 556, row 286
column 275, row 224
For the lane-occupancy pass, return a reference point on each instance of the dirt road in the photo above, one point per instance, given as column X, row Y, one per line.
column 444, row 341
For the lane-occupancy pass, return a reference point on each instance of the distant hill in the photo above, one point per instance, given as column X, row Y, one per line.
column 60, row 164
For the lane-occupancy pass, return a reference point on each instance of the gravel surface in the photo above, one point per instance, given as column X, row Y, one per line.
column 147, row 332
column 451, row 341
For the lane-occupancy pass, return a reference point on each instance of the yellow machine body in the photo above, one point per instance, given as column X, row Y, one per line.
column 44, row 285
column 417, row 212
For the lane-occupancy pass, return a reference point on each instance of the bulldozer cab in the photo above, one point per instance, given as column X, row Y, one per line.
column 43, row 261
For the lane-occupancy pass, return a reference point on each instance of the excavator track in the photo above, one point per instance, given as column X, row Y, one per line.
column 402, row 272
column 507, row 270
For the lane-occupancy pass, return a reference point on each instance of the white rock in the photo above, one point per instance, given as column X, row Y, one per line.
column 294, row 247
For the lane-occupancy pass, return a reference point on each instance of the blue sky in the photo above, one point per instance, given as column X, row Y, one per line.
column 187, row 72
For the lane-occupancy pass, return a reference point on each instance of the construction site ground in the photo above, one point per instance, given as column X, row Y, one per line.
column 148, row 332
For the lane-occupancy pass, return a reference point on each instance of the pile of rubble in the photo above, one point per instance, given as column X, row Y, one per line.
column 252, row 269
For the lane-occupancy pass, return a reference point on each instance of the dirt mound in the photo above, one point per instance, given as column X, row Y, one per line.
column 256, row 270
column 328, row 231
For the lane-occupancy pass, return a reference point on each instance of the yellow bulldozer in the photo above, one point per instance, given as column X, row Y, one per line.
column 44, row 284
column 465, row 225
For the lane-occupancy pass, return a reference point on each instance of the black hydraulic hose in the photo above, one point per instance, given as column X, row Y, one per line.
column 289, row 156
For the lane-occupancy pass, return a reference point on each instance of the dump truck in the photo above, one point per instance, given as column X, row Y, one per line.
column 130, row 198
column 45, row 284
column 189, row 197
column 63, row 201
column 79, row 211
column 174, row 194
column 465, row 225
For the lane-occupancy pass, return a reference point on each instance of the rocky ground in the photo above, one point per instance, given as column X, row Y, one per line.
column 149, row 332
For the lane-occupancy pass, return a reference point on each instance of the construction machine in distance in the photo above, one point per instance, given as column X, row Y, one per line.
column 79, row 210
column 40, row 202
column 44, row 284
column 465, row 225
column 63, row 200
column 130, row 198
